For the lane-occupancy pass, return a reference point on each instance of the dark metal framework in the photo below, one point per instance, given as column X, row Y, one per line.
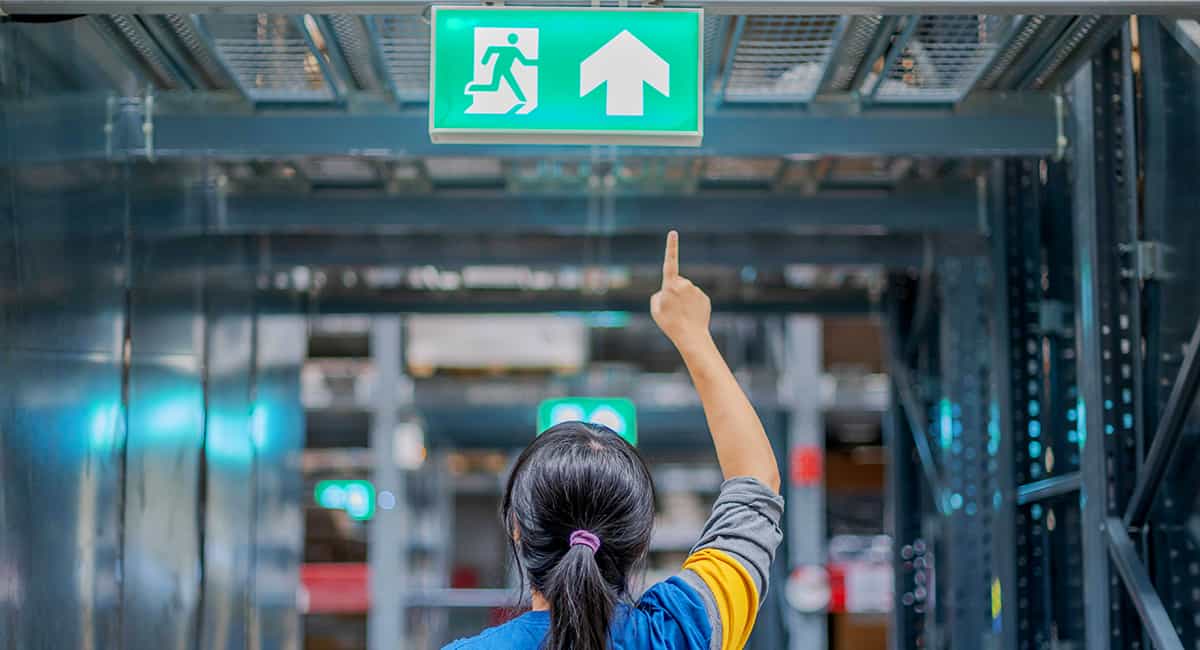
column 1083, row 457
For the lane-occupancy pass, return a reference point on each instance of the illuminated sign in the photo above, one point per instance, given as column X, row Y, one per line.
column 616, row 413
column 357, row 498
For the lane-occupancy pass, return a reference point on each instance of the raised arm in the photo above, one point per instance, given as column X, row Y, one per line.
column 682, row 312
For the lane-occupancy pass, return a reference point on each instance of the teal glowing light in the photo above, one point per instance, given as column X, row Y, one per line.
column 258, row 425
column 104, row 423
column 946, row 423
column 616, row 413
column 355, row 497
column 1079, row 406
column 993, row 429
column 1035, row 449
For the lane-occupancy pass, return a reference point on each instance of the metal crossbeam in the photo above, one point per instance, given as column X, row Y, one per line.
column 284, row 251
column 209, row 126
column 1074, row 49
column 797, row 7
column 1167, row 435
column 406, row 301
column 1137, row 581
column 937, row 208
column 1048, row 488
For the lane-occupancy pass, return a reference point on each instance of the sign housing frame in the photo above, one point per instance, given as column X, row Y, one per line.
column 650, row 138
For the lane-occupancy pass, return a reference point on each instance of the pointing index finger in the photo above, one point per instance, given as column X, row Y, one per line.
column 671, row 259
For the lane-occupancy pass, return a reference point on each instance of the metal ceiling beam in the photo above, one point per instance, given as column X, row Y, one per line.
column 220, row 127
column 937, row 208
column 796, row 7
column 286, row 251
column 408, row 301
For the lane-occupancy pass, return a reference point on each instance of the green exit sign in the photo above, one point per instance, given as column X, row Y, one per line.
column 616, row 413
column 528, row 75
column 357, row 498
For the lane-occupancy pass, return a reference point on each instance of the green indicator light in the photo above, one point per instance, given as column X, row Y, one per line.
column 616, row 413
column 355, row 497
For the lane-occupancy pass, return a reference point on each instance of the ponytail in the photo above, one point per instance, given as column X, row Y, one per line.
column 581, row 602
column 583, row 478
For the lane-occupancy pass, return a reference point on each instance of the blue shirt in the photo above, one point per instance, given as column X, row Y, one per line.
column 711, row 604
column 670, row 616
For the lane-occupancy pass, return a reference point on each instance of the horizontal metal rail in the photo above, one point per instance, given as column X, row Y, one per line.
column 284, row 251
column 758, row 7
column 1048, row 488
column 936, row 208
column 206, row 126
column 504, row 301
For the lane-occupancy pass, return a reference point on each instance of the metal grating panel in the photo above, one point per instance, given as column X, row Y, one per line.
column 403, row 43
column 270, row 56
column 1024, row 34
column 143, row 46
column 942, row 58
column 185, row 30
column 352, row 36
column 859, row 35
column 1081, row 30
column 782, row 58
column 716, row 40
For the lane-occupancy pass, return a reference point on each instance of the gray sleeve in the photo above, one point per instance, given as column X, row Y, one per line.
column 745, row 523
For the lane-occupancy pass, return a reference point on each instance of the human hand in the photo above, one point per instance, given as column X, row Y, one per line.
column 680, row 309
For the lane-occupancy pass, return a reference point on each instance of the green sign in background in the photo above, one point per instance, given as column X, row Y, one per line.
column 356, row 497
column 617, row 413
column 567, row 37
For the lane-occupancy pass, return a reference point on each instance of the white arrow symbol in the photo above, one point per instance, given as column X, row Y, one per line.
column 624, row 63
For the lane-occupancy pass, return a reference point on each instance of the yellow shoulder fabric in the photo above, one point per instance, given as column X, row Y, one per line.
column 733, row 589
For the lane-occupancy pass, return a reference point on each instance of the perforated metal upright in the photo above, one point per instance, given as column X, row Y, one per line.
column 913, row 483
column 963, row 423
column 1037, row 597
column 1104, row 190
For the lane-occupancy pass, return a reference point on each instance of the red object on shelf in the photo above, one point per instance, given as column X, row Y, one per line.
column 837, row 588
column 335, row 588
column 807, row 465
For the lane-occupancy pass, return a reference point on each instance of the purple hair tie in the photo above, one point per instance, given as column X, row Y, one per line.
column 585, row 538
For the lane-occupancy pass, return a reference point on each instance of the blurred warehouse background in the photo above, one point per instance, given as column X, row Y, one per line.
column 266, row 353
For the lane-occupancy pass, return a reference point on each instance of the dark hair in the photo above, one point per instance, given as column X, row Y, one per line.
column 579, row 476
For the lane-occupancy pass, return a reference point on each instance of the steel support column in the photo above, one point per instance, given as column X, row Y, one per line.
column 1036, row 443
column 963, row 425
column 387, row 550
column 1104, row 169
column 805, row 503
column 910, row 500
